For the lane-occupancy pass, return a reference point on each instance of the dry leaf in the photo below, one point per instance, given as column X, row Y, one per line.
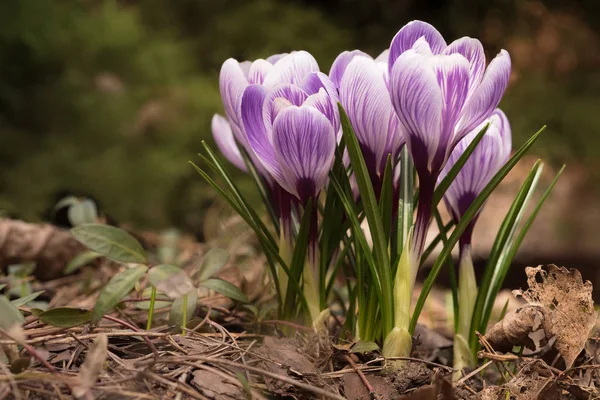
column 92, row 366
column 215, row 387
column 559, row 304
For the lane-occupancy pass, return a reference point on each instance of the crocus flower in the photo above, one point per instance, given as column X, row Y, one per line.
column 488, row 157
column 363, row 93
column 290, row 124
column 440, row 93
column 223, row 135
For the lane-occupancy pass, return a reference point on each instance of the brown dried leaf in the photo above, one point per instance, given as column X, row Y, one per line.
column 571, row 315
column 560, row 307
column 92, row 366
column 515, row 328
column 215, row 386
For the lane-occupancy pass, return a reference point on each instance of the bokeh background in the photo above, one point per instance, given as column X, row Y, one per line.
column 110, row 99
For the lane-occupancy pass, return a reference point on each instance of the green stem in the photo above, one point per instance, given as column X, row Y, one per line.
column 184, row 315
column 467, row 295
column 151, row 309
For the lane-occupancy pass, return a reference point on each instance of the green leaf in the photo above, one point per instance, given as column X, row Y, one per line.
column 111, row 242
column 9, row 314
column 36, row 312
column 364, row 347
column 502, row 242
column 66, row 317
column 371, row 209
column 386, row 198
column 212, row 262
column 83, row 212
column 225, row 288
column 80, row 260
column 24, row 300
column 405, row 203
column 448, row 179
column 2, row 286
column 498, row 278
column 161, row 273
column 176, row 313
column 465, row 221
column 118, row 287
column 298, row 261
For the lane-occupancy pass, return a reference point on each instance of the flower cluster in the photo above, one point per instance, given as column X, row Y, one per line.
column 282, row 116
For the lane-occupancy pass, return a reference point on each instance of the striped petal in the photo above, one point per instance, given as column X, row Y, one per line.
column 418, row 102
column 384, row 56
column 486, row 96
column 313, row 84
column 409, row 34
column 304, row 143
column 293, row 94
column 223, row 136
column 452, row 74
column 232, row 82
column 341, row 62
column 363, row 93
column 292, row 68
column 487, row 158
column 258, row 71
column 276, row 57
column 473, row 51
column 258, row 138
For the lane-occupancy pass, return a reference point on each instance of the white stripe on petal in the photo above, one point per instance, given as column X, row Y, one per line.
column 341, row 62
column 258, row 71
column 232, row 82
column 472, row 50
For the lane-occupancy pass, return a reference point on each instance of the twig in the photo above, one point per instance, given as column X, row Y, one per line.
column 360, row 374
column 304, row 386
column 135, row 329
column 178, row 385
column 447, row 368
column 473, row 373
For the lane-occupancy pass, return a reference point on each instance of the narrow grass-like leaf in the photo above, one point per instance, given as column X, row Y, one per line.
column 436, row 240
column 161, row 300
column 448, row 179
column 364, row 347
column 297, row 263
column 386, row 198
column 66, row 317
column 465, row 220
column 116, row 289
column 405, row 204
column 80, row 260
column 451, row 268
column 9, row 314
column 24, row 300
column 212, row 262
column 498, row 278
column 371, row 209
column 226, row 289
column 503, row 238
column 111, row 242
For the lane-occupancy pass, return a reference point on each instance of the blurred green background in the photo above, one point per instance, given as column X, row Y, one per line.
column 110, row 99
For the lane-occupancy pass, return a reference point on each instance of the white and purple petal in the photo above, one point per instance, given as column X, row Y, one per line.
column 409, row 34
column 223, row 136
column 259, row 141
column 292, row 68
column 486, row 96
column 341, row 62
column 304, row 143
column 258, row 71
column 293, row 94
column 473, row 51
column 363, row 93
column 418, row 102
column 232, row 82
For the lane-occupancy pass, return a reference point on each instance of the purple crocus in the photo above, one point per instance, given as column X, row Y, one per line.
column 488, row 157
column 363, row 93
column 223, row 135
column 292, row 129
column 440, row 93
